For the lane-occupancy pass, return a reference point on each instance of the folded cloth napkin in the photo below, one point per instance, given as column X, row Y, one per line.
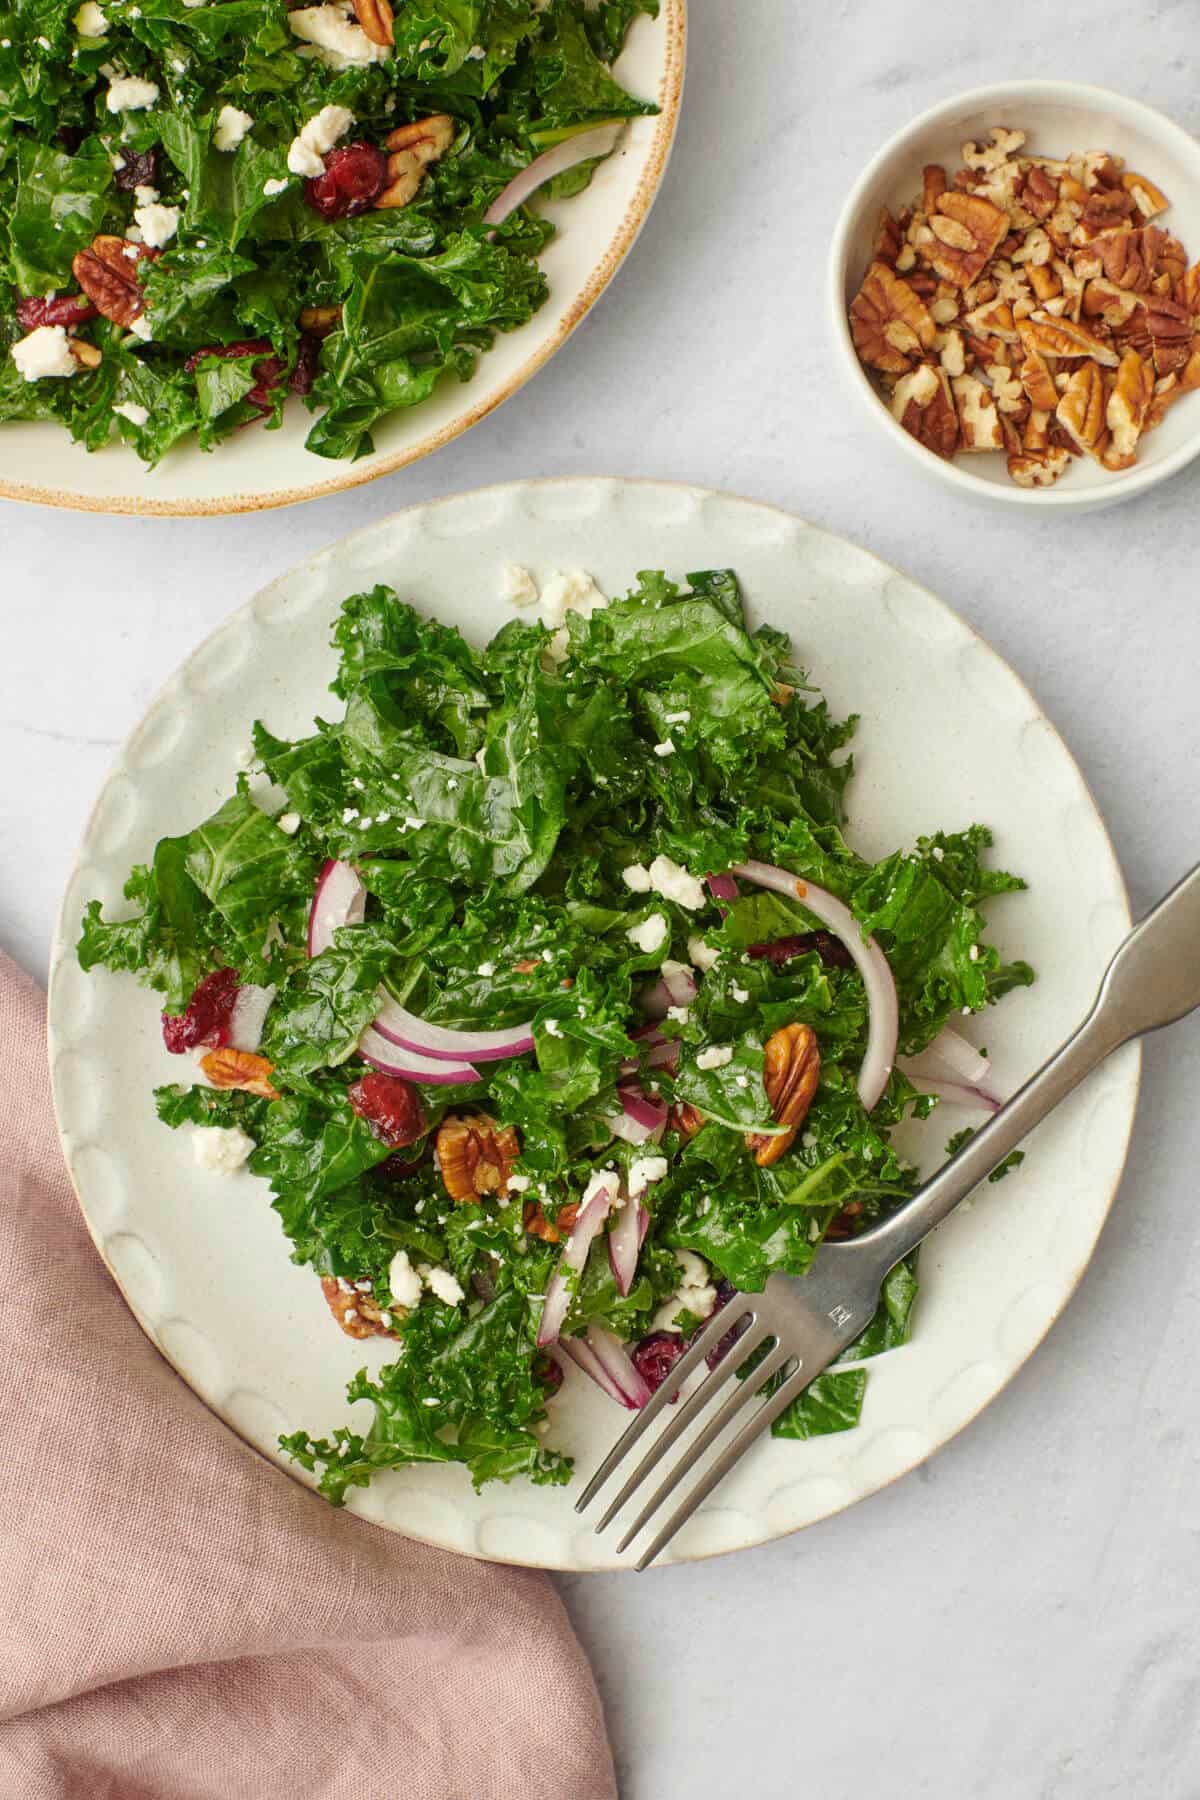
column 181, row 1621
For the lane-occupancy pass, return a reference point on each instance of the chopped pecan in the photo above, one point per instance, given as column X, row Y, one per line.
column 1038, row 471
column 968, row 231
column 355, row 1309
column 1170, row 328
column 994, row 320
column 550, row 1231
column 320, row 320
column 889, row 321
column 933, row 186
column 978, row 421
column 1188, row 290
column 1119, row 255
column 1039, row 193
column 1103, row 300
column 924, row 405
column 1045, row 282
column 1004, row 145
column 684, row 1119
column 107, row 271
column 1189, row 379
column 1064, row 338
column 1149, row 200
column 888, row 239
column 1163, row 255
column 88, row 356
column 475, row 1155
column 1035, row 435
column 229, row 1068
column 1128, row 404
column 791, row 1071
column 1036, row 378
column 375, row 17
column 427, row 139
column 1082, row 408
column 1166, row 392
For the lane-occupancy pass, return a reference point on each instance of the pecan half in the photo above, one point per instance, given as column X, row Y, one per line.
column 228, row 1068
column 968, row 231
column 791, row 1071
column 889, row 321
column 1062, row 337
column 1082, row 408
column 375, row 17
column 427, row 139
column 355, row 1311
column 476, row 1156
column 684, row 1119
column 107, row 271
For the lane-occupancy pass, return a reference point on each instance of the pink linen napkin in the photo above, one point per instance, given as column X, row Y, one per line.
column 178, row 1619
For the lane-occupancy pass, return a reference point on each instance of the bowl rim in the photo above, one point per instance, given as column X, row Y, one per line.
column 1122, row 485
column 353, row 475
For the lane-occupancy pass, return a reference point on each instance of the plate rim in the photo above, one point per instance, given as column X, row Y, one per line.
column 354, row 475
column 62, row 953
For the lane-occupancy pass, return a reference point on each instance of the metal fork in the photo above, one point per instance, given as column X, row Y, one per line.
column 802, row 1325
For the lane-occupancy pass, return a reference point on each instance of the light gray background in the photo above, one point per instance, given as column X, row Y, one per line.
column 1017, row 1620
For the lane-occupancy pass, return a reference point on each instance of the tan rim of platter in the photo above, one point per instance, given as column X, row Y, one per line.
column 669, row 99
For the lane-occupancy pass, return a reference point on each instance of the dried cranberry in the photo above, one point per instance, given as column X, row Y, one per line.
column 208, row 1015
column 70, row 137
column 140, row 170
column 268, row 374
column 656, row 1356
column 547, row 1372
column 308, row 361
column 67, row 309
column 391, row 1107
column 725, row 1293
column 831, row 950
column 230, row 352
column 353, row 176
column 398, row 1167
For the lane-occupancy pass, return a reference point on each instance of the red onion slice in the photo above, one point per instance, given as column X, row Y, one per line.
column 401, row 1027
column 381, row 1053
column 640, row 1119
column 674, row 988
column 250, row 1009
column 663, row 1053
column 338, row 899
column 599, row 1195
column 615, row 1360
column 577, row 149
column 884, row 1025
column 950, row 1058
column 723, row 887
column 625, row 1240
column 977, row 1099
column 585, row 1358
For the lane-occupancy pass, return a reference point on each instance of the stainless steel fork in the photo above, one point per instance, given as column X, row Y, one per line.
column 802, row 1325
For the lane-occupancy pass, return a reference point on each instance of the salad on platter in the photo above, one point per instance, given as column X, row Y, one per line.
column 546, row 992
column 209, row 205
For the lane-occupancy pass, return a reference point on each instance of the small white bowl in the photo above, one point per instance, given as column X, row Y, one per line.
column 1059, row 117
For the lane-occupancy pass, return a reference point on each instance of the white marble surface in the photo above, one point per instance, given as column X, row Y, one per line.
column 1018, row 1620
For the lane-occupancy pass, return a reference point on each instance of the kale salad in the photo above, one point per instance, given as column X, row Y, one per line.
column 209, row 205
column 546, row 992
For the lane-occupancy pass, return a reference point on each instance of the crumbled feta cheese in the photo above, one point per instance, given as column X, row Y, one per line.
column 553, row 1028
column 973, row 953
column 475, row 54
column 679, row 718
column 966, row 1012
column 411, row 824
column 695, row 1293
column 232, row 126
column 404, row 1281
column 452, row 783
column 486, row 969
column 666, row 748
column 680, row 1014
column 319, row 135
column 808, row 1141
column 938, row 853
column 222, row 1148
column 335, row 36
column 158, row 223
column 743, row 1081
column 141, row 327
column 129, row 409
column 714, row 1057
column 650, row 935
column 637, row 877
column 601, row 1179
column 702, row 957
column 349, row 814
column 129, row 93
column 517, row 1184
column 574, row 591
column 517, row 586
column 45, row 352
column 289, row 823
column 276, row 185
column 89, row 21
column 741, row 995
column 673, row 882
column 643, row 1170
column 442, row 1283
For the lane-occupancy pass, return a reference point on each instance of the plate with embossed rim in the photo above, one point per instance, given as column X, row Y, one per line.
column 254, row 470
column 949, row 735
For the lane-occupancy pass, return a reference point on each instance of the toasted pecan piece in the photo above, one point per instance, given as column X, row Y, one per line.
column 475, row 1155
column 791, row 1071
column 229, row 1068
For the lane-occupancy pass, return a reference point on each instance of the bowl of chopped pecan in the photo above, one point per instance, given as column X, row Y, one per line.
column 1015, row 294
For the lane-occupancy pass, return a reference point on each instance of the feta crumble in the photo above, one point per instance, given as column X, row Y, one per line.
column 650, row 935
column 714, row 1057
column 318, row 135
column 289, row 823
column 702, row 957
column 642, row 1171
column 222, row 1148
column 158, row 224
column 637, row 877
column 129, row 409
column 666, row 748
column 44, row 353
column 232, row 126
column 404, row 1281
column 334, row 36
column 673, row 882
column 518, row 587
column 441, row 1283
column 553, row 1028
column 129, row 93
column 276, row 185
column 89, row 21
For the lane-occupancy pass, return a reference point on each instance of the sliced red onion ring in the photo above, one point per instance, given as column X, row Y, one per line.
column 625, row 1240
column 615, row 1360
column 640, row 1119
column 723, row 887
column 572, row 150
column 250, row 1009
column 338, row 899
column 399, row 1026
column 381, row 1053
column 675, row 987
column 599, row 1195
column 884, row 1026
column 951, row 1058
column 663, row 1053
column 585, row 1358
column 976, row 1098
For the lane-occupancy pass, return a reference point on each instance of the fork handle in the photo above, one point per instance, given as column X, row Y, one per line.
column 1149, row 983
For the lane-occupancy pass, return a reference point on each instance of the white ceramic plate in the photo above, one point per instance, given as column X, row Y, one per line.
column 257, row 469
column 949, row 735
